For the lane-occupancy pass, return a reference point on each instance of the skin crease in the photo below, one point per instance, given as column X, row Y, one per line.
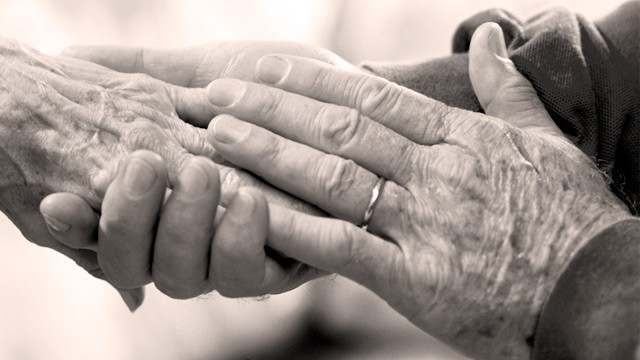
column 480, row 213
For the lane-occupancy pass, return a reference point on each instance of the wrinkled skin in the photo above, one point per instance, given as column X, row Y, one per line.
column 479, row 215
column 66, row 124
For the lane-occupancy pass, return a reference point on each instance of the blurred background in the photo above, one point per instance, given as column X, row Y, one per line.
column 50, row 309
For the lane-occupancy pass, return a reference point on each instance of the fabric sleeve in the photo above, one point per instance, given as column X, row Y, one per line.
column 593, row 311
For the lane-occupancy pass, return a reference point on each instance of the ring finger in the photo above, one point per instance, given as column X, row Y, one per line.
column 336, row 185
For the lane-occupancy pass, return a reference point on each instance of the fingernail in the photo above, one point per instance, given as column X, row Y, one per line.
column 242, row 204
column 193, row 180
column 56, row 225
column 132, row 298
column 225, row 92
column 271, row 69
column 496, row 41
column 139, row 177
column 230, row 130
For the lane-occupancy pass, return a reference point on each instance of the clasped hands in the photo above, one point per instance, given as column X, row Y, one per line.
column 478, row 216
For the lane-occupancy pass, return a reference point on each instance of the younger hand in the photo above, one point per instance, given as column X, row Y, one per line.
column 182, row 240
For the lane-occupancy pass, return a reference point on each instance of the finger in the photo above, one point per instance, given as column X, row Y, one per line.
column 336, row 185
column 239, row 265
column 185, row 230
column 129, row 212
column 191, row 104
column 71, row 220
column 412, row 115
column 175, row 66
column 502, row 91
column 333, row 129
column 336, row 246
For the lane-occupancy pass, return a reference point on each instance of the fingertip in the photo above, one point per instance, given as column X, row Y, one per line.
column 207, row 165
column 68, row 208
column 271, row 69
column 70, row 220
column 148, row 156
column 192, row 104
column 142, row 171
column 198, row 179
column 489, row 64
column 489, row 36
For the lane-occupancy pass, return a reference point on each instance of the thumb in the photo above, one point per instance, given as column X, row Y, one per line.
column 502, row 91
column 175, row 66
column 72, row 222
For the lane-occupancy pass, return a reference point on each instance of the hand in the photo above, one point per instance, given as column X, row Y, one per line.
column 479, row 214
column 197, row 66
column 191, row 67
column 67, row 126
column 177, row 245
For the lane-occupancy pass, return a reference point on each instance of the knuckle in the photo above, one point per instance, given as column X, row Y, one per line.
column 337, row 176
column 340, row 128
column 270, row 104
column 273, row 150
column 440, row 116
column 457, row 168
column 230, row 178
column 378, row 96
column 438, row 123
column 403, row 166
column 321, row 78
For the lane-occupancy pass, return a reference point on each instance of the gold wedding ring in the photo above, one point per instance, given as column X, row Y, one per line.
column 375, row 195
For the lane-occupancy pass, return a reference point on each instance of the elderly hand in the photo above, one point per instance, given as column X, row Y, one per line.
column 128, row 231
column 66, row 126
column 478, row 215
